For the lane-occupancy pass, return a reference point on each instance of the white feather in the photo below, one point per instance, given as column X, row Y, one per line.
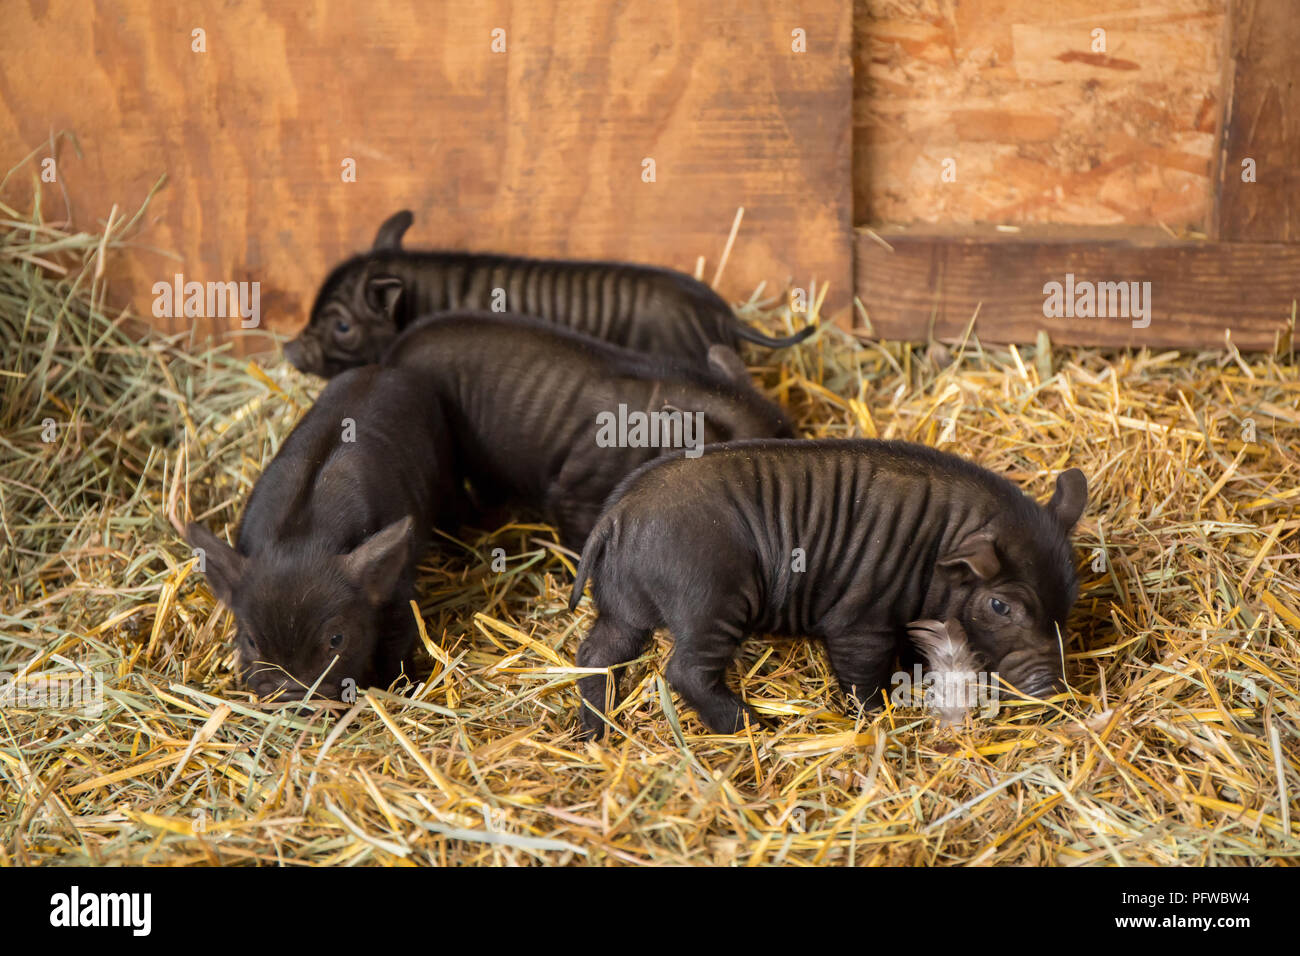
column 954, row 666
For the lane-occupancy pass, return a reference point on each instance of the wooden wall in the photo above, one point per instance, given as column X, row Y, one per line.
column 538, row 150
column 1075, row 167
column 1122, row 166
column 1262, row 124
column 1038, row 126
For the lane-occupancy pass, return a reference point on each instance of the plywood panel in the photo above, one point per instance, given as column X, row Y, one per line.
column 1040, row 127
column 1262, row 124
column 538, row 150
column 1198, row 289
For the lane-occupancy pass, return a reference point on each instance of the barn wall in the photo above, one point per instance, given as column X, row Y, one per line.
column 1039, row 127
column 1100, row 159
column 538, row 150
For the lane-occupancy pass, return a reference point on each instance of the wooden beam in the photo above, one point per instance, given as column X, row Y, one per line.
column 1261, row 123
column 1199, row 289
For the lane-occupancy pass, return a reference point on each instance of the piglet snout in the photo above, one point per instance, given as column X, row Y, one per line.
column 300, row 355
column 287, row 691
column 1032, row 674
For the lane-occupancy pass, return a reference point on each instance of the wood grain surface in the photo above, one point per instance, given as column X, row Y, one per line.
column 1199, row 289
column 1039, row 127
column 537, row 150
column 1262, row 124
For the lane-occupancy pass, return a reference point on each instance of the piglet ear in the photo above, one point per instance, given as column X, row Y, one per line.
column 1069, row 498
column 977, row 554
column 375, row 566
column 390, row 233
column 222, row 565
column 725, row 362
column 383, row 293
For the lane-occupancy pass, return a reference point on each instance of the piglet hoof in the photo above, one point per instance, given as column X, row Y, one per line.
column 736, row 726
column 593, row 727
column 756, row 722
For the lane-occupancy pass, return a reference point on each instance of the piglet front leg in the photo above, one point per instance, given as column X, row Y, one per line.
column 861, row 660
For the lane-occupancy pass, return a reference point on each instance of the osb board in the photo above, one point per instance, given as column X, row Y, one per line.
column 1040, row 128
column 1262, row 201
column 935, row 282
column 538, row 150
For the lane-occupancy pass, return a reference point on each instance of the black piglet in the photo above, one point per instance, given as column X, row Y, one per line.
column 367, row 300
column 322, row 573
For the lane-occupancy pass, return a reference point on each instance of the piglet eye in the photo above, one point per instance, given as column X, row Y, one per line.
column 999, row 607
column 336, row 642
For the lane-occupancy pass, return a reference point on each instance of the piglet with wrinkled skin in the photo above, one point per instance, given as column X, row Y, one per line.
column 322, row 575
column 847, row 541
column 534, row 409
column 368, row 300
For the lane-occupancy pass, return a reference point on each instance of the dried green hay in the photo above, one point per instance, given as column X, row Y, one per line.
column 1177, row 743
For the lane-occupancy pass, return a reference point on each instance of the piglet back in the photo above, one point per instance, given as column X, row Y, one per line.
column 281, row 498
column 371, row 450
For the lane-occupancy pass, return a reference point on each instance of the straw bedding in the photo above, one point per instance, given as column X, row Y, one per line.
column 1177, row 743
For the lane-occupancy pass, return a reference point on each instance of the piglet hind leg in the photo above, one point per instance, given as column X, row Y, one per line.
column 610, row 643
column 572, row 513
column 861, row 661
column 698, row 671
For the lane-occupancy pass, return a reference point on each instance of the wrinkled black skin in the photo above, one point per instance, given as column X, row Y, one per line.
column 366, row 301
column 318, row 500
column 705, row 549
column 523, row 396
